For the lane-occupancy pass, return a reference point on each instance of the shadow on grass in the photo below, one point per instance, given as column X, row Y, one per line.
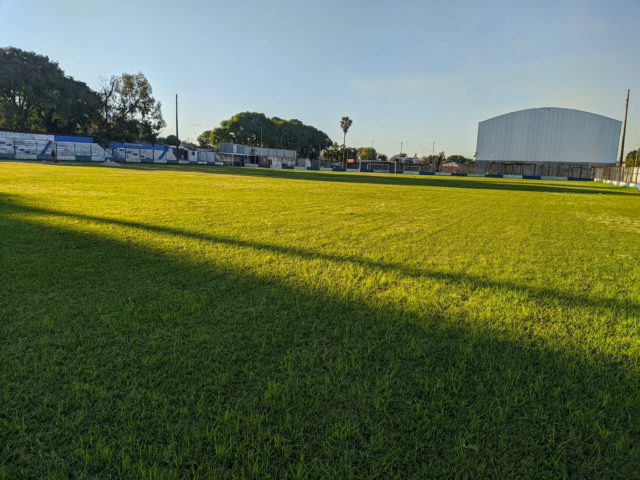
column 541, row 294
column 474, row 183
column 117, row 360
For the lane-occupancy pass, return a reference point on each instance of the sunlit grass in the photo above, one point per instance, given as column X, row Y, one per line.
column 170, row 322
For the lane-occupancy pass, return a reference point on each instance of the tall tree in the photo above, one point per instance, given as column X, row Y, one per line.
column 37, row 96
column 129, row 111
column 345, row 124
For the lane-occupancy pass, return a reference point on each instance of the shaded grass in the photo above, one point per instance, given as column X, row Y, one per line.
column 167, row 324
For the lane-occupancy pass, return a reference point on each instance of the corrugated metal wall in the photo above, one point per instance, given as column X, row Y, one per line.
column 558, row 135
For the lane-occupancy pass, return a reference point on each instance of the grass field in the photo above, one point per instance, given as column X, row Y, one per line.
column 208, row 322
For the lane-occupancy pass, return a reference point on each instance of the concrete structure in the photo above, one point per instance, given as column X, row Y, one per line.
column 547, row 142
column 37, row 146
column 145, row 153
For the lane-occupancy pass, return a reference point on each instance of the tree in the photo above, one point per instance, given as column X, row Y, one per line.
column 438, row 161
column 367, row 153
column 171, row 140
column 256, row 129
column 632, row 159
column 129, row 111
column 345, row 124
column 336, row 153
column 204, row 139
column 382, row 157
column 37, row 96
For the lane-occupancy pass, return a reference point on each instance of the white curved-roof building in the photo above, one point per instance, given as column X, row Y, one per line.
column 549, row 135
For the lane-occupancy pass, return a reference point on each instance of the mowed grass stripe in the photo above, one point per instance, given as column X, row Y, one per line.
column 224, row 322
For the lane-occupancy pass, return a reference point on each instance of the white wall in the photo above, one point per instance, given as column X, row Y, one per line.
column 548, row 134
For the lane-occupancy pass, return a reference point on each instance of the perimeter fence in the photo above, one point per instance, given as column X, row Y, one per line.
column 621, row 176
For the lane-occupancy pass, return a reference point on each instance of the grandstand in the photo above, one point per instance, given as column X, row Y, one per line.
column 36, row 146
column 236, row 154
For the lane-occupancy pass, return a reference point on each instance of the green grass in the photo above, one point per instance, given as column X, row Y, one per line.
column 160, row 322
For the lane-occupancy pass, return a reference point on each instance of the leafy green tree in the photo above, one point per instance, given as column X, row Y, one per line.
column 337, row 153
column 256, row 129
column 37, row 96
column 333, row 152
column 204, row 139
column 129, row 111
column 382, row 157
column 632, row 159
column 367, row 153
column 172, row 140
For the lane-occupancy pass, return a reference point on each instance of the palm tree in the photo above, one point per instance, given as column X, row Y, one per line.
column 345, row 123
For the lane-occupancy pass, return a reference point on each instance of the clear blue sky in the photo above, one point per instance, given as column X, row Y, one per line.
column 410, row 71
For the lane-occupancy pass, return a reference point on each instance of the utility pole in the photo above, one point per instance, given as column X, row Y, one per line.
column 624, row 132
column 433, row 149
column 401, row 147
column 624, row 128
column 177, row 136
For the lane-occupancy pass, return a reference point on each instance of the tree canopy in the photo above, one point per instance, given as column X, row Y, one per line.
column 367, row 153
column 345, row 125
column 130, row 113
column 256, row 129
column 338, row 153
column 37, row 96
column 170, row 140
column 632, row 159
column 204, row 139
